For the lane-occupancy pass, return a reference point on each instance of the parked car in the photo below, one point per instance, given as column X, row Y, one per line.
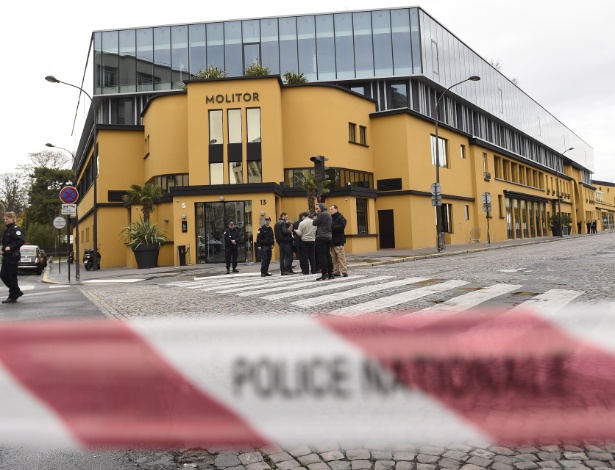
column 31, row 259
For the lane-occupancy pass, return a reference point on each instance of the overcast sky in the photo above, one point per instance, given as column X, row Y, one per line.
column 561, row 51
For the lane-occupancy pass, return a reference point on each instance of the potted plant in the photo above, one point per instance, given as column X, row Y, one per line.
column 142, row 236
column 556, row 226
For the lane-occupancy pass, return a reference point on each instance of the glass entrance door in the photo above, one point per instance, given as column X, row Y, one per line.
column 212, row 219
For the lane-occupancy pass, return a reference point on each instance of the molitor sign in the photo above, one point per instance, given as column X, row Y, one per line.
column 232, row 98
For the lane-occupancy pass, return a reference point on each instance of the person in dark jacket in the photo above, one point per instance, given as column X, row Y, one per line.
column 12, row 240
column 283, row 231
column 231, row 247
column 338, row 239
column 323, row 241
column 264, row 244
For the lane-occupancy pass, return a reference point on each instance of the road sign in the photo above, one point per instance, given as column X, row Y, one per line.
column 59, row 222
column 69, row 209
column 436, row 200
column 436, row 188
column 486, row 207
column 486, row 198
column 69, row 194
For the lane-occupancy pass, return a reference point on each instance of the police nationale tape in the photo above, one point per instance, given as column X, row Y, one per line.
column 514, row 376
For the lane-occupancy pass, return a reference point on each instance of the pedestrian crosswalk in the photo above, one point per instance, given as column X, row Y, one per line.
column 361, row 294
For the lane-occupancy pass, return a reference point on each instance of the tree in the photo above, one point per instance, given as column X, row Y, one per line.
column 292, row 78
column 309, row 183
column 13, row 195
column 44, row 193
column 145, row 196
column 256, row 70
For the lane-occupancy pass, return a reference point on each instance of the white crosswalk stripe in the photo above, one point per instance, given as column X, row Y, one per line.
column 337, row 296
column 316, row 289
column 397, row 299
column 472, row 299
column 311, row 283
column 549, row 302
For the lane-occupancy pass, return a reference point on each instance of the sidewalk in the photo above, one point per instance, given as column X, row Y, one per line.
column 122, row 274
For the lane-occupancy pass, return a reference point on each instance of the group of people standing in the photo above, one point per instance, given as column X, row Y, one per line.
column 592, row 226
column 317, row 239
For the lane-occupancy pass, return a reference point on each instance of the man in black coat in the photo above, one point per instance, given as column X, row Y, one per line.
column 264, row 244
column 231, row 247
column 284, row 237
column 12, row 240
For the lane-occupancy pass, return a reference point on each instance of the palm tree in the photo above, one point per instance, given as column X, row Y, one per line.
column 309, row 183
column 145, row 196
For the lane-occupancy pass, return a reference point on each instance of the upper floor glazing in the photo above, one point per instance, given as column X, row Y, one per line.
column 361, row 46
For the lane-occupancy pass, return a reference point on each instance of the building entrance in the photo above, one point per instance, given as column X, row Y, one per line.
column 212, row 219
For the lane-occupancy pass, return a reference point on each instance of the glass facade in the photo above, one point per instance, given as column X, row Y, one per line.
column 400, row 57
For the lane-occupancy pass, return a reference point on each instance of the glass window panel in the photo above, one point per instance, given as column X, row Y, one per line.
column 215, row 127
column 307, row 46
column 197, row 48
column 216, row 173
column 362, row 216
column 415, row 37
column 289, row 61
column 125, row 112
column 325, row 47
column 162, row 58
column 251, row 31
column 253, row 118
column 402, row 55
column 234, row 126
column 255, row 172
column 399, row 96
column 251, row 55
column 232, row 49
column 128, row 70
column 363, row 47
column 383, row 47
column 235, row 173
column 344, row 50
column 215, row 45
column 270, row 53
column 442, row 157
column 110, row 62
column 179, row 55
column 97, row 62
column 145, row 59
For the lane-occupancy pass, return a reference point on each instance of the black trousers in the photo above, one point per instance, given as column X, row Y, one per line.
column 265, row 253
column 323, row 248
column 286, row 257
column 308, row 258
column 230, row 255
column 8, row 274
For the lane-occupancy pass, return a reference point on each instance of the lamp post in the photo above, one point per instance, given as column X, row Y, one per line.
column 437, row 190
column 52, row 79
column 77, row 277
column 559, row 205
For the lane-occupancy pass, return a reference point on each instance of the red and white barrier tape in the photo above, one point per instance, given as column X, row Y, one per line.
column 513, row 376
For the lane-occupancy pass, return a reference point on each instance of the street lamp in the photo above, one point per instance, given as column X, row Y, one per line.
column 77, row 277
column 52, row 79
column 559, row 206
column 437, row 188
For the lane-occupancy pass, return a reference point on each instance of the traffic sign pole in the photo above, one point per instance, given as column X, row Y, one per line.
column 69, row 196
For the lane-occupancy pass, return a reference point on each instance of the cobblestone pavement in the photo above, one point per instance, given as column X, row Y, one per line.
column 472, row 456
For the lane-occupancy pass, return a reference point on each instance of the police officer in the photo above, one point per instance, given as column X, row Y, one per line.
column 12, row 240
column 231, row 247
column 264, row 244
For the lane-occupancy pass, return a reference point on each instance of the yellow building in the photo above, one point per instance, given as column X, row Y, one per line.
column 415, row 125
